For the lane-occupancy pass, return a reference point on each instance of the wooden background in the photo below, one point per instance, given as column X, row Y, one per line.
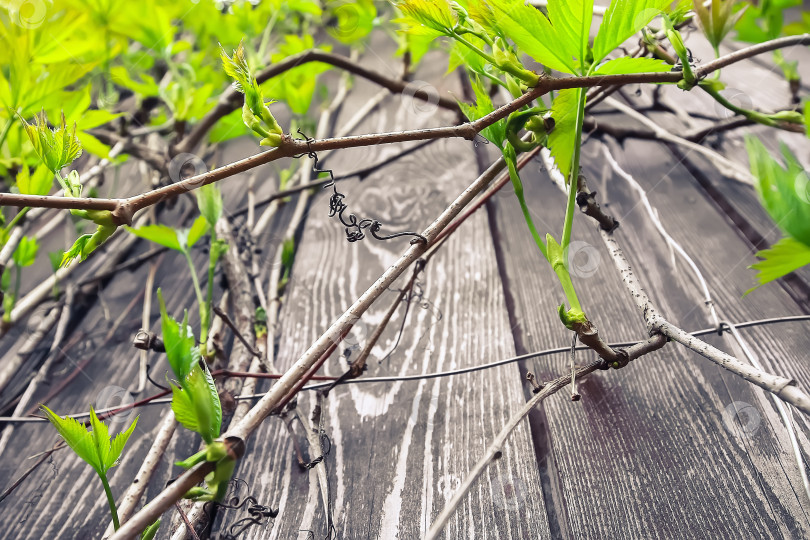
column 646, row 453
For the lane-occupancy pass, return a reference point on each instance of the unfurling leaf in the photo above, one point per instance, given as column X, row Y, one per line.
column 178, row 339
column 495, row 133
column 209, row 201
column 87, row 243
column 196, row 403
column 56, row 148
column 718, row 19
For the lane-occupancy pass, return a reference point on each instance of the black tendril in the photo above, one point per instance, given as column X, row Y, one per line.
column 354, row 227
column 257, row 513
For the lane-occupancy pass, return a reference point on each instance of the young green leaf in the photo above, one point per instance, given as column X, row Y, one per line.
column 434, row 14
column 56, row 148
column 627, row 64
column 196, row 403
column 87, row 243
column 495, row 133
column 93, row 446
column 38, row 183
column 622, row 19
column 197, row 230
column 787, row 255
column 572, row 22
column 785, row 192
column 179, row 342
column 26, row 252
column 209, row 200
column 159, row 234
column 150, row 532
column 533, row 33
column 718, row 19
column 561, row 139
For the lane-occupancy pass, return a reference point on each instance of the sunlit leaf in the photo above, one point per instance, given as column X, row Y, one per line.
column 622, row 19
column 495, row 133
column 561, row 140
column 627, row 64
column 26, row 252
column 159, row 234
column 787, row 255
column 178, row 340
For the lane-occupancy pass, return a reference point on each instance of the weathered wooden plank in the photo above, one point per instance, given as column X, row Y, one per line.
column 646, row 453
column 399, row 450
column 63, row 498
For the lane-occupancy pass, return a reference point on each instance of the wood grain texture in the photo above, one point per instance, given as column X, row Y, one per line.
column 399, row 450
column 647, row 453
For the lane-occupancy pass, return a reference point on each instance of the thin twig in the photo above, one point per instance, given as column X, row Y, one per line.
column 495, row 449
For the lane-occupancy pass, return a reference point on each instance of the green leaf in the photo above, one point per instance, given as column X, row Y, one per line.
column 179, row 342
column 495, row 133
column 56, row 148
column 434, row 14
column 87, row 243
column 77, row 438
column 26, row 252
column 209, row 200
column 787, row 255
column 626, row 64
column 572, row 22
column 196, row 403
column 354, row 19
column 159, row 234
column 622, row 19
column 533, row 33
column 785, row 192
column 561, row 139
column 118, row 443
column 197, row 230
column 183, row 409
column 718, row 19
column 150, row 532
column 37, row 184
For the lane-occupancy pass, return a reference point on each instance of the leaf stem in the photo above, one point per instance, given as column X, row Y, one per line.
column 200, row 299
column 479, row 52
column 574, row 174
column 6, row 129
column 110, row 500
column 510, row 158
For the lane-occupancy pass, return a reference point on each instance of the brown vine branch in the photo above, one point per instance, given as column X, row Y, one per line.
column 232, row 100
column 124, row 209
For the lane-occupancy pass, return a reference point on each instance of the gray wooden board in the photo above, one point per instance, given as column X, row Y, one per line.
column 400, row 450
column 64, row 498
column 646, row 453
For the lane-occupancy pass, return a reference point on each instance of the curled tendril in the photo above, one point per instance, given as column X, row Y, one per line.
column 354, row 227
column 257, row 513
